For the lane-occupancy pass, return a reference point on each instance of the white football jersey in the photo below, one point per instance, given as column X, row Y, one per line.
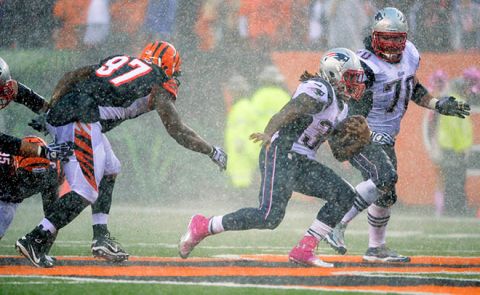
column 392, row 88
column 322, row 123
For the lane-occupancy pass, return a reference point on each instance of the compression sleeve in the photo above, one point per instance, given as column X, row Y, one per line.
column 419, row 91
column 29, row 98
column 9, row 144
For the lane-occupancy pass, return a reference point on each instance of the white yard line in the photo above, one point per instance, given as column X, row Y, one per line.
column 73, row 280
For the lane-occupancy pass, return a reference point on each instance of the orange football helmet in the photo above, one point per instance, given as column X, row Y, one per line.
column 164, row 55
column 32, row 164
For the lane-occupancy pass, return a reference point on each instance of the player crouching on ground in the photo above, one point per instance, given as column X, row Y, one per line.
column 23, row 177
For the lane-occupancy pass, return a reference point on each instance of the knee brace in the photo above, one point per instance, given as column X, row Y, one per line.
column 367, row 193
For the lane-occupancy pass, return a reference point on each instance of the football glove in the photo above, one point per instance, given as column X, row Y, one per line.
column 39, row 123
column 219, row 157
column 450, row 106
column 57, row 151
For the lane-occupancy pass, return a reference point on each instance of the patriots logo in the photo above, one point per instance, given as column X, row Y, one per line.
column 378, row 16
column 339, row 56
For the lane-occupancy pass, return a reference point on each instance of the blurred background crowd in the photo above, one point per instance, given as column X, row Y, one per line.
column 209, row 25
column 226, row 47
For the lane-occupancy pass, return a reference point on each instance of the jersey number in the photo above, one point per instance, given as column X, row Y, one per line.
column 397, row 84
column 139, row 69
column 324, row 128
column 4, row 158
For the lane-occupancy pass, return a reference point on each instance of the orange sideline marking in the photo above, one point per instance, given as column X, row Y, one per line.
column 438, row 265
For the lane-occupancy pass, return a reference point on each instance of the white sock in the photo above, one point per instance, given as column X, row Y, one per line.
column 215, row 225
column 350, row 215
column 377, row 234
column 47, row 225
column 99, row 218
column 318, row 230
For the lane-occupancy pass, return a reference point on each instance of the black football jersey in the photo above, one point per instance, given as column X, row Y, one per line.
column 7, row 174
column 19, row 185
column 117, row 81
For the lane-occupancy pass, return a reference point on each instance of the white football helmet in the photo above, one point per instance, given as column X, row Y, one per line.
column 342, row 69
column 389, row 34
column 8, row 87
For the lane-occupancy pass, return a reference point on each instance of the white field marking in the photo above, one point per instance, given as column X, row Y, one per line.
column 411, row 275
column 207, row 284
column 325, row 251
column 453, row 236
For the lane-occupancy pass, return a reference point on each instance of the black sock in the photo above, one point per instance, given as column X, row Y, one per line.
column 105, row 191
column 66, row 209
column 100, row 230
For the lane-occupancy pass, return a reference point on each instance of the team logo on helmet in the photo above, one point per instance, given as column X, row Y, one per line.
column 378, row 16
column 338, row 56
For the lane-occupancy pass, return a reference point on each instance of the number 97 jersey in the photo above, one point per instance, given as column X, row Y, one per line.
column 392, row 88
column 122, row 79
column 113, row 85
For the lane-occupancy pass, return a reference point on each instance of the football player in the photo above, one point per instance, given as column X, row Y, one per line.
column 23, row 177
column 11, row 90
column 390, row 62
column 105, row 91
column 288, row 160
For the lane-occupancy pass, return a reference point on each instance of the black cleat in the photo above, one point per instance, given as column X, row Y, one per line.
column 105, row 247
column 35, row 246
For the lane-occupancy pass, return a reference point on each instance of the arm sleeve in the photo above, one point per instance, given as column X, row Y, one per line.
column 29, row 98
column 9, row 144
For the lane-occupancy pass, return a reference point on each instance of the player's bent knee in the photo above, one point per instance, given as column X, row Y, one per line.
column 387, row 199
column 387, row 179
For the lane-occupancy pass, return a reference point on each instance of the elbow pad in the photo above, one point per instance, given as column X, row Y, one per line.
column 419, row 91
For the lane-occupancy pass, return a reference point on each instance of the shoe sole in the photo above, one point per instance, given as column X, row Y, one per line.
column 339, row 250
column 99, row 253
column 303, row 263
column 386, row 259
column 183, row 240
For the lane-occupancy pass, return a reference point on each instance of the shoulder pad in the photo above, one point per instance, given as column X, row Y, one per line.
column 368, row 59
column 412, row 52
column 318, row 89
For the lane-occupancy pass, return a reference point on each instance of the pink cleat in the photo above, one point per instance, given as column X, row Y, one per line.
column 303, row 253
column 197, row 231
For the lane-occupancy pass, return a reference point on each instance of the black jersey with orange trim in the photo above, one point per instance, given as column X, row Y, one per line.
column 116, row 81
column 18, row 185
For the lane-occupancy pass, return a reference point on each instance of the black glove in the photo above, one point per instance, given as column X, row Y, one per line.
column 57, row 151
column 39, row 123
column 451, row 107
column 219, row 157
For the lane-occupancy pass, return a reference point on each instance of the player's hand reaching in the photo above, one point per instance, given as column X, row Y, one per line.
column 39, row 123
column 261, row 137
column 450, row 106
column 219, row 157
column 57, row 151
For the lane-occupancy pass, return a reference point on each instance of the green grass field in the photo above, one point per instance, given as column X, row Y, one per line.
column 154, row 230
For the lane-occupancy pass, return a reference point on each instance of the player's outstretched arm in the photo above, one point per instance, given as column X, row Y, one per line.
column 183, row 134
column 448, row 106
